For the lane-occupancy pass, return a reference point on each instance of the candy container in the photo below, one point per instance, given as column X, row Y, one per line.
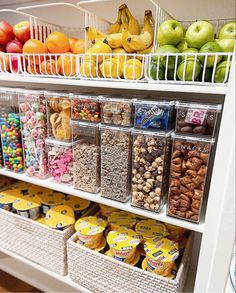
column 58, row 116
column 85, row 108
column 60, row 160
column 32, row 106
column 1, row 158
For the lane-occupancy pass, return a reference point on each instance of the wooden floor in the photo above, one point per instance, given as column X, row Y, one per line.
column 10, row 284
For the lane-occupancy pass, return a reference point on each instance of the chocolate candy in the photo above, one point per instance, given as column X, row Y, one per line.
column 197, row 119
column 189, row 166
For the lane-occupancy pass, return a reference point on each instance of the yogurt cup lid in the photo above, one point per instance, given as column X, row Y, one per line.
column 172, row 275
column 76, row 203
column 90, row 225
column 7, row 196
column 163, row 250
column 59, row 217
column 27, row 202
column 122, row 219
column 52, row 198
column 123, row 239
column 151, row 229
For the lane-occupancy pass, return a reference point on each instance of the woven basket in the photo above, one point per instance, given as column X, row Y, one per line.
column 34, row 241
column 100, row 273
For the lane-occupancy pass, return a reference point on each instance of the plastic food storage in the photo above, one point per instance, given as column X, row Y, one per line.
column 150, row 169
column 11, row 131
column 58, row 115
column 1, row 158
column 33, row 117
column 85, row 108
column 196, row 119
column 86, row 153
column 115, row 163
column 153, row 115
column 117, row 111
column 60, row 161
column 188, row 173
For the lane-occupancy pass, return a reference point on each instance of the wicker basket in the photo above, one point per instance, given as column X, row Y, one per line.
column 100, row 273
column 34, row 241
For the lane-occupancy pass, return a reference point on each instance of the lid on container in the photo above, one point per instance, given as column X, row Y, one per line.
column 122, row 219
column 193, row 138
column 114, row 128
column 40, row 190
column 89, row 97
column 59, row 217
column 30, row 92
column 123, row 239
column 84, row 124
column 151, row 229
column 163, row 250
column 153, row 102
column 115, row 99
column 156, row 133
column 41, row 220
column 172, row 275
column 56, row 94
column 90, row 225
column 52, row 198
column 51, row 141
column 7, row 197
column 27, row 202
column 217, row 107
column 76, row 203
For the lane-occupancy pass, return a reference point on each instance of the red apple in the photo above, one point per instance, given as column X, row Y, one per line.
column 16, row 63
column 2, row 48
column 4, row 62
column 22, row 31
column 14, row 46
column 6, row 32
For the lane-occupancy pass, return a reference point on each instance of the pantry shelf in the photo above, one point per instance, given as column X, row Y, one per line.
column 161, row 216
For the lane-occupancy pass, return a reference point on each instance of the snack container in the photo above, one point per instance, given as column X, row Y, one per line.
column 10, row 131
column 60, row 217
column 117, row 111
column 115, row 163
column 172, row 275
column 133, row 262
column 7, row 197
column 79, row 205
column 153, row 115
column 60, row 160
column 27, row 206
column 1, row 158
column 85, row 108
column 106, row 211
column 122, row 219
column 33, row 117
column 150, row 169
column 86, row 153
column 188, row 173
column 58, row 115
column 175, row 233
column 50, row 199
column 196, row 119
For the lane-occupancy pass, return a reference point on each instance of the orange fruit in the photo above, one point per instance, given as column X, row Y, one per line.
column 58, row 43
column 67, row 64
column 34, row 46
column 33, row 69
column 78, row 47
column 49, row 67
column 72, row 41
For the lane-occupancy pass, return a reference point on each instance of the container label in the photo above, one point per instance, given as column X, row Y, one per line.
column 196, row 116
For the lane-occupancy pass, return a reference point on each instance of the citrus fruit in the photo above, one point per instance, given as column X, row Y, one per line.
column 49, row 67
column 34, row 46
column 78, row 47
column 67, row 64
column 57, row 42
column 33, row 69
column 71, row 42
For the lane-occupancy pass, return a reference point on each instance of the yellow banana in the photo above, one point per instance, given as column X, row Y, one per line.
column 114, row 40
column 133, row 25
column 125, row 43
column 115, row 28
column 124, row 24
column 94, row 34
column 145, row 51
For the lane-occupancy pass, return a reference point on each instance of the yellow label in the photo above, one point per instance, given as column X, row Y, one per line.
column 90, row 225
column 41, row 220
column 172, row 275
column 76, row 203
column 123, row 239
column 121, row 219
column 59, row 217
column 132, row 262
column 27, row 202
column 151, row 229
column 52, row 198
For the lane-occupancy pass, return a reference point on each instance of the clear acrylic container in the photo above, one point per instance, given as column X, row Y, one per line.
column 153, row 115
column 86, row 153
column 150, row 169
column 115, row 163
column 11, row 131
column 60, row 160
column 188, row 173
column 196, row 119
column 117, row 111
column 58, row 115
column 33, row 116
column 85, row 108
column 1, row 157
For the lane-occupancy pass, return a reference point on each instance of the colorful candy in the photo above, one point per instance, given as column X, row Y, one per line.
column 34, row 132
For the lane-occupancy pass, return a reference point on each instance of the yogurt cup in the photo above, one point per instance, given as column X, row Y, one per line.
column 133, row 261
column 7, row 198
column 50, row 199
column 122, row 219
column 28, row 206
column 172, row 275
column 101, row 246
column 160, row 255
column 106, row 211
column 41, row 220
column 175, row 233
column 60, row 217
column 77, row 204
column 90, row 231
column 123, row 243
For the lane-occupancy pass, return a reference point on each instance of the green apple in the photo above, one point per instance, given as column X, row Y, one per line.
column 170, row 32
column 228, row 31
column 182, row 45
column 221, row 70
column 163, row 59
column 227, row 45
column 207, row 75
column 199, row 33
column 190, row 50
column 189, row 68
column 153, row 71
column 210, row 47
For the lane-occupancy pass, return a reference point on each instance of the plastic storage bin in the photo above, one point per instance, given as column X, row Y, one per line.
column 60, row 160
column 1, row 158
column 196, row 119
column 117, row 111
column 115, row 163
column 153, row 115
column 86, row 155
column 11, row 131
column 32, row 106
column 58, row 115
column 150, row 169
column 85, row 108
column 188, row 172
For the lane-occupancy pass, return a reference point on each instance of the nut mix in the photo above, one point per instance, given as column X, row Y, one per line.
column 150, row 169
column 115, row 163
column 196, row 119
column 189, row 165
